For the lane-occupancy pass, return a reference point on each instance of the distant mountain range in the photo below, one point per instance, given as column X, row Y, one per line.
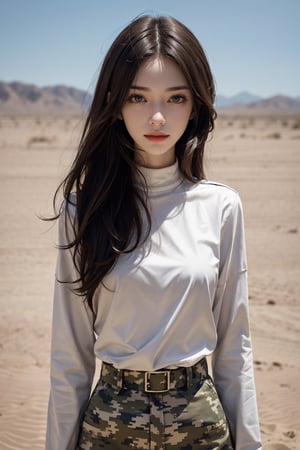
column 18, row 98
column 243, row 98
column 22, row 99
column 249, row 104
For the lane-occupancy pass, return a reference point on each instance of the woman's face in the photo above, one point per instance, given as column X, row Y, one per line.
column 157, row 110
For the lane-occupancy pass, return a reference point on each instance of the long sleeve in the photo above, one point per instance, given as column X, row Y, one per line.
column 72, row 350
column 232, row 360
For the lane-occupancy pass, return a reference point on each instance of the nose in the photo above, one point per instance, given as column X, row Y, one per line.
column 157, row 119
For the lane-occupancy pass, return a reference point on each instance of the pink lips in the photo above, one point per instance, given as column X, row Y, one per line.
column 156, row 137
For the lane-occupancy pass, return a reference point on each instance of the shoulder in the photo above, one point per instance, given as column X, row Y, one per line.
column 219, row 188
column 220, row 199
column 216, row 192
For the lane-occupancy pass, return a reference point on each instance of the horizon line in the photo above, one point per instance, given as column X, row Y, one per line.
column 242, row 91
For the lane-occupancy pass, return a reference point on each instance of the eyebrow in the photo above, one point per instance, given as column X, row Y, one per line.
column 173, row 88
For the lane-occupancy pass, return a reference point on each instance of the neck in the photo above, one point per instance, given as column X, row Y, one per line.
column 161, row 180
column 155, row 161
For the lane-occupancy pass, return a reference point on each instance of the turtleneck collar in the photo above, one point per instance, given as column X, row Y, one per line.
column 162, row 180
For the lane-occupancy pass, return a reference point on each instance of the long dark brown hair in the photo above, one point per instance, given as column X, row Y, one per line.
column 110, row 209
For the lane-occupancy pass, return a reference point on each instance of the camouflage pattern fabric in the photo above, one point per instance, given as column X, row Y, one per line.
column 122, row 415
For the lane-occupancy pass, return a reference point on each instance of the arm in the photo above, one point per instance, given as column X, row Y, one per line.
column 232, row 360
column 72, row 355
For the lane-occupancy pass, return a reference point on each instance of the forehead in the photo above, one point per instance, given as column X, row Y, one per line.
column 159, row 70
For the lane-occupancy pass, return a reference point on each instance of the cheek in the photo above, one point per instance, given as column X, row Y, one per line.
column 127, row 119
column 130, row 117
column 132, row 125
column 182, row 118
column 181, row 112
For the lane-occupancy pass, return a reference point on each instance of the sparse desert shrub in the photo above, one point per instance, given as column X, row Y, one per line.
column 275, row 135
column 40, row 140
column 296, row 125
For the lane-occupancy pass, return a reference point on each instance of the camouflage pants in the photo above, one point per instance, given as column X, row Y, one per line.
column 187, row 418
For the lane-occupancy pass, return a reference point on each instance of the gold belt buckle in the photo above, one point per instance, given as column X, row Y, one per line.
column 148, row 381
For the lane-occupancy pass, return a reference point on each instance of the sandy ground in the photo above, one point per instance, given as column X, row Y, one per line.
column 259, row 157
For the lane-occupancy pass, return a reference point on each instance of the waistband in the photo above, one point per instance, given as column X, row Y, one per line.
column 159, row 381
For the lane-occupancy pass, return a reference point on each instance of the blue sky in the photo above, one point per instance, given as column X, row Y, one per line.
column 252, row 45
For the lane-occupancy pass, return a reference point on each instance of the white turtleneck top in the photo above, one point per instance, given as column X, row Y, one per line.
column 179, row 297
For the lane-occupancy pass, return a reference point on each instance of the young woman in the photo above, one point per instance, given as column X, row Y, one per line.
column 151, row 274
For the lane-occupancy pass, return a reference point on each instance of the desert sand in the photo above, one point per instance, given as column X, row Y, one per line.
column 260, row 157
